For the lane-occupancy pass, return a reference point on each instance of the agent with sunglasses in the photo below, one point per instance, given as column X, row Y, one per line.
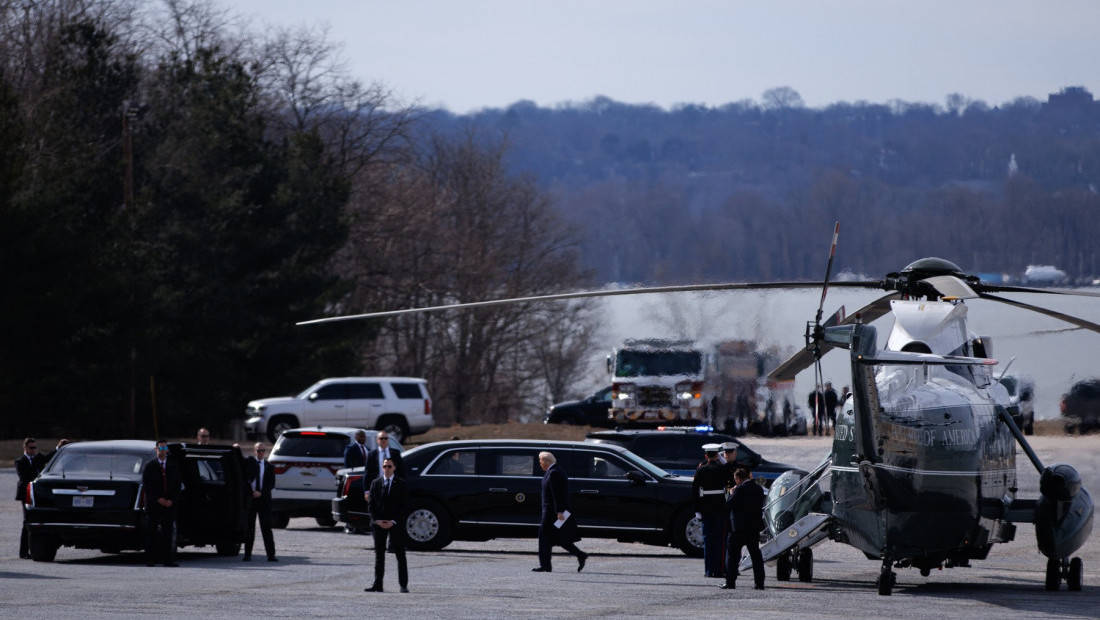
column 388, row 503
column 381, row 453
column 261, row 477
column 162, row 482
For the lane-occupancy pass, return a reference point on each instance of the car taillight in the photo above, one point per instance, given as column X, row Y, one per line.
column 281, row 468
column 335, row 467
column 350, row 481
column 427, row 406
column 28, row 499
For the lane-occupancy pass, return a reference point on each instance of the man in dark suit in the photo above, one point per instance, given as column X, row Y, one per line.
column 355, row 455
column 162, row 482
column 746, row 509
column 388, row 502
column 381, row 453
column 27, row 467
column 557, row 525
column 261, row 477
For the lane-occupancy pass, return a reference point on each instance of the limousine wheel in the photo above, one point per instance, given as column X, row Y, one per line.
column 43, row 548
column 428, row 526
column 687, row 534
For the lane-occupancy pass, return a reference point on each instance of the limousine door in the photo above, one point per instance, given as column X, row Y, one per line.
column 509, row 489
column 604, row 498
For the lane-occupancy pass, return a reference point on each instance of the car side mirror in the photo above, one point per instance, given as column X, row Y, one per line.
column 312, row 397
column 636, row 477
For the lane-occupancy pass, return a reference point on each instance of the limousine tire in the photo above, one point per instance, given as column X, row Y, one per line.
column 428, row 527
column 687, row 533
column 43, row 548
column 227, row 547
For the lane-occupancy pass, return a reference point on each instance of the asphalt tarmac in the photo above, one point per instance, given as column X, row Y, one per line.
column 322, row 573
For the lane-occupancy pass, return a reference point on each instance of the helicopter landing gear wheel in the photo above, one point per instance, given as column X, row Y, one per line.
column 1073, row 577
column 886, row 579
column 806, row 565
column 1054, row 574
column 783, row 567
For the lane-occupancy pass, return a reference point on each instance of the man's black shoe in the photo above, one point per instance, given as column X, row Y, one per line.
column 728, row 586
column 539, row 569
column 758, row 587
column 404, row 590
column 246, row 558
column 272, row 559
column 172, row 564
column 580, row 562
column 373, row 589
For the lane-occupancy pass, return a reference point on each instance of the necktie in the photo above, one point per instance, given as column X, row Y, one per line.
column 164, row 476
column 387, row 486
column 363, row 449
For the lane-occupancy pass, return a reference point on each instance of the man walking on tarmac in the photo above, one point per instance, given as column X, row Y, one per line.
column 708, row 492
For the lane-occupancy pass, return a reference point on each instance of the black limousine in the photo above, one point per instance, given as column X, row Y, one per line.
column 482, row 489
column 90, row 497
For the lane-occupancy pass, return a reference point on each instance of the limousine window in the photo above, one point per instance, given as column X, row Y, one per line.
column 454, row 463
column 511, row 463
column 600, row 466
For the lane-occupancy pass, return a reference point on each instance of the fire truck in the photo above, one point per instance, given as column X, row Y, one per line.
column 657, row 381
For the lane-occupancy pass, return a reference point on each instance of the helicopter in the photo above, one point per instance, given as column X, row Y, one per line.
column 923, row 464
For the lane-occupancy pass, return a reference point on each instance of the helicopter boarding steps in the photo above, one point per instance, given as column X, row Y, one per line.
column 809, row 530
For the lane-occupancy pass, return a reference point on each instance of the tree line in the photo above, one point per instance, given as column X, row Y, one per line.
column 177, row 191
column 748, row 191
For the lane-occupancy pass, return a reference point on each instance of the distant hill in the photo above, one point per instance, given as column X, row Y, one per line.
column 750, row 192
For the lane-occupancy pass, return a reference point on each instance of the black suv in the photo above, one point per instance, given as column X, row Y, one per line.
column 482, row 489
column 90, row 497
column 680, row 450
column 592, row 411
column 1081, row 406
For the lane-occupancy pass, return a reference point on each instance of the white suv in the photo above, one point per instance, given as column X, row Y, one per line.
column 398, row 405
column 306, row 461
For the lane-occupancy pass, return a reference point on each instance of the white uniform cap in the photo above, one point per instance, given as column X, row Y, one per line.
column 712, row 447
column 729, row 445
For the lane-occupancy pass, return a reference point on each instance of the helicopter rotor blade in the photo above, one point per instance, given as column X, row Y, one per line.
column 805, row 357
column 728, row 286
column 1079, row 322
column 828, row 271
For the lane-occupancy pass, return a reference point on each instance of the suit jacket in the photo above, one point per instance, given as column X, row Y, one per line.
column 393, row 506
column 555, row 499
column 253, row 470
column 27, row 470
column 157, row 486
column 746, row 506
column 353, row 455
column 374, row 467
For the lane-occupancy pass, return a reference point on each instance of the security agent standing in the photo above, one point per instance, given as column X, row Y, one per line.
column 376, row 456
column 746, row 516
column 388, row 503
column 162, row 482
column 355, row 454
column 261, row 477
column 708, row 491
column 27, row 467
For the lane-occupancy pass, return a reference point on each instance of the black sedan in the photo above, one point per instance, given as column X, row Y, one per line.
column 680, row 450
column 592, row 411
column 482, row 489
column 90, row 497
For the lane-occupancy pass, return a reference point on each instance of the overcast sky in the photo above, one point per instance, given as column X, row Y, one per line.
column 467, row 55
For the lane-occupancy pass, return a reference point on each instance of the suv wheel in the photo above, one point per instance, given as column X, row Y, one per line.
column 279, row 425
column 395, row 425
column 427, row 528
column 279, row 520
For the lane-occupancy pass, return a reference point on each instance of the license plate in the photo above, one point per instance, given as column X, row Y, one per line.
column 82, row 502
